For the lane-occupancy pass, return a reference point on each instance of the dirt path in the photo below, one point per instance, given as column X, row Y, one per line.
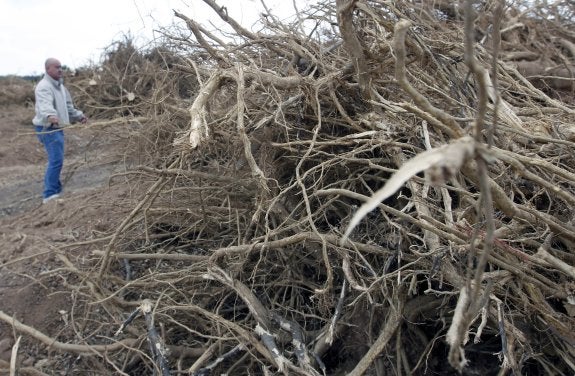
column 21, row 186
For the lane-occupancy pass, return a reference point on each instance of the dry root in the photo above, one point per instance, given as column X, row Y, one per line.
column 366, row 202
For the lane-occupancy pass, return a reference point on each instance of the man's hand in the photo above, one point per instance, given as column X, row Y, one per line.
column 84, row 119
column 53, row 119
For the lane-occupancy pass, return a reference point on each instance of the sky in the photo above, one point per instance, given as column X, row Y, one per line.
column 78, row 32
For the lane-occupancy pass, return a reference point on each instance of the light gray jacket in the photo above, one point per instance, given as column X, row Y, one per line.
column 52, row 98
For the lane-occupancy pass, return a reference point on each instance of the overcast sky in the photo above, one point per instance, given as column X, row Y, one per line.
column 77, row 32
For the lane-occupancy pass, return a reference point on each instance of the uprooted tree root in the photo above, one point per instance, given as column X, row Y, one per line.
column 375, row 199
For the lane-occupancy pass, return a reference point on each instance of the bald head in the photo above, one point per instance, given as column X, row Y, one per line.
column 53, row 68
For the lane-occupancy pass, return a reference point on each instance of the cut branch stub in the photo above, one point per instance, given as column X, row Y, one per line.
column 353, row 45
column 198, row 126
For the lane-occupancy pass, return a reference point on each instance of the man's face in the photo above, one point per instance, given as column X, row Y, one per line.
column 54, row 70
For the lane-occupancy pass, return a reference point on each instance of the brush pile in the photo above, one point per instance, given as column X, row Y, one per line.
column 373, row 188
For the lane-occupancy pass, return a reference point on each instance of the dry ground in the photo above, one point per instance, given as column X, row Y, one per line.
column 31, row 234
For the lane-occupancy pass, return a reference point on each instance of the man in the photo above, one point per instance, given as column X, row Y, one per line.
column 54, row 110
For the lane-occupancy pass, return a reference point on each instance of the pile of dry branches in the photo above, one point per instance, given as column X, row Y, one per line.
column 16, row 90
column 374, row 188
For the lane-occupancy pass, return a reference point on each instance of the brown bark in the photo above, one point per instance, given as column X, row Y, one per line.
column 353, row 45
column 542, row 76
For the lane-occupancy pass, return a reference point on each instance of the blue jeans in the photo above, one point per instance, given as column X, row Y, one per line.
column 53, row 141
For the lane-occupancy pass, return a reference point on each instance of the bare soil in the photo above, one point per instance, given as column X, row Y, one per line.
column 31, row 233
